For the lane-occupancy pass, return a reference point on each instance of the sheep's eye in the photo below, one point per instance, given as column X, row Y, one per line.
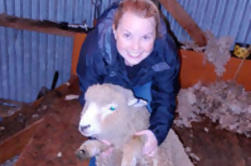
column 112, row 108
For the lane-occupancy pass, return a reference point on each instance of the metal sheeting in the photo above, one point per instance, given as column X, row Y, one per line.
column 221, row 17
column 28, row 60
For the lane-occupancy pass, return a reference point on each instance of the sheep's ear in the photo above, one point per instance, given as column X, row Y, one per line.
column 137, row 102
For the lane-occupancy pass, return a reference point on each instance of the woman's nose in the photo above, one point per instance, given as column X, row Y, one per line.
column 136, row 45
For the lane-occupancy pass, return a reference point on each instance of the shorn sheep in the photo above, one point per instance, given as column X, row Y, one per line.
column 111, row 116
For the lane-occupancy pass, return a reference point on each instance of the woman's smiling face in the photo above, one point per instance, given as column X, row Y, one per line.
column 135, row 37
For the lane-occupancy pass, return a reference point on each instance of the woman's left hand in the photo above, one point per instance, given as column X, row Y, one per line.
column 151, row 145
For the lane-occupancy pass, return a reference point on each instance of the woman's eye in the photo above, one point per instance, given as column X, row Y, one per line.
column 127, row 35
column 146, row 37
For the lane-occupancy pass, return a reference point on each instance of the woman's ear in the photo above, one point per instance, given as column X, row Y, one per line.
column 114, row 31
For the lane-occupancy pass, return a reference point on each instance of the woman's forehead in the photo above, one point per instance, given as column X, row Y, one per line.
column 131, row 21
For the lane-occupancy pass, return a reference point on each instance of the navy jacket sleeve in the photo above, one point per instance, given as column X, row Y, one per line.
column 87, row 70
column 91, row 65
column 165, row 86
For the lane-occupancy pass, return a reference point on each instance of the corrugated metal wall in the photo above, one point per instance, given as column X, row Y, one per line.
column 221, row 17
column 28, row 60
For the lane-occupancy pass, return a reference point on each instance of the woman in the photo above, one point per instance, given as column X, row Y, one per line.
column 130, row 47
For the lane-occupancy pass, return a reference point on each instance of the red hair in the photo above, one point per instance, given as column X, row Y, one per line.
column 142, row 8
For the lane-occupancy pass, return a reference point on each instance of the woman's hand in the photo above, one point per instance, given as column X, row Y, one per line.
column 151, row 145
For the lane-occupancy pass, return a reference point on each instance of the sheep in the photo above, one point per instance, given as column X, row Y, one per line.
column 112, row 115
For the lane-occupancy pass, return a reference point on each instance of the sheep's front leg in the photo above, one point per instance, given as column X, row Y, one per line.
column 132, row 151
column 90, row 148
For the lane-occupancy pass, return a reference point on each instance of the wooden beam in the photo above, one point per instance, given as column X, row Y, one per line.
column 35, row 25
column 180, row 15
column 16, row 143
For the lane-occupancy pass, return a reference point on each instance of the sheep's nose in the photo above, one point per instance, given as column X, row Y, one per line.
column 82, row 128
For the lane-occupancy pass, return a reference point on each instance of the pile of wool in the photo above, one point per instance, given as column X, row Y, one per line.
column 224, row 102
column 215, row 52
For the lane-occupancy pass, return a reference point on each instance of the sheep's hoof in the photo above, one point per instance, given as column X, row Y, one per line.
column 82, row 154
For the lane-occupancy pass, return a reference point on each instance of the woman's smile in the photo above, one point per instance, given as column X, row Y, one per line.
column 135, row 37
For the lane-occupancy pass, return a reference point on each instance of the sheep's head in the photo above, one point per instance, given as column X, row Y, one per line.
column 106, row 111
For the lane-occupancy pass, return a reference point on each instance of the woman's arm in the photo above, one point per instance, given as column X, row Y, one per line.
column 89, row 63
column 164, row 89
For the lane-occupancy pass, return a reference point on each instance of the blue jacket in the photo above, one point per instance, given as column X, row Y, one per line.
column 100, row 62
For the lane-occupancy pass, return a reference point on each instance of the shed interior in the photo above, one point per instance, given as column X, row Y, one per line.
column 43, row 131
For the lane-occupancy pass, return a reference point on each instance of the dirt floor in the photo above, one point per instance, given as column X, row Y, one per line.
column 10, row 162
column 45, row 133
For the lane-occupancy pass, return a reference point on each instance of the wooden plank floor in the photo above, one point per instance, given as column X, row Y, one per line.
column 15, row 144
column 55, row 139
column 215, row 146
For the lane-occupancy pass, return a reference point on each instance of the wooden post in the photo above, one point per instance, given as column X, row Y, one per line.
column 180, row 15
column 77, row 44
